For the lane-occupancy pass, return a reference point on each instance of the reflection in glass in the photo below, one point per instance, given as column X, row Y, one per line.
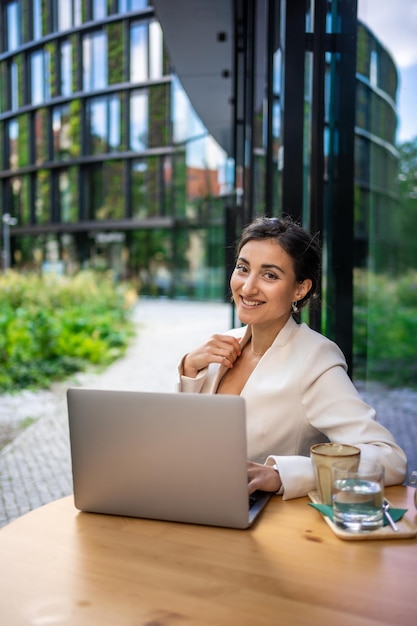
column 186, row 123
column 99, row 9
column 61, row 131
column 37, row 19
column 14, row 26
column 114, row 123
column 95, row 61
column 97, row 125
column 64, row 14
column 138, row 52
column 40, row 135
column 40, row 91
column 151, row 186
column 68, row 200
column 385, row 277
column 103, row 185
column 155, row 51
column 43, row 196
column 69, row 14
column 19, row 199
column 131, row 5
column 13, row 135
column 14, row 86
column 103, row 124
column 139, row 120
column 66, row 68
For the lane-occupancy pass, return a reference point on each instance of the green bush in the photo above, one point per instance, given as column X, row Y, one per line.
column 385, row 328
column 51, row 327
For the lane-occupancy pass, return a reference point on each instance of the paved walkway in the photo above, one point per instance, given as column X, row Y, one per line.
column 35, row 467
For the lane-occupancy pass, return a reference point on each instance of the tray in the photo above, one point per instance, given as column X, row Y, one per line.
column 406, row 530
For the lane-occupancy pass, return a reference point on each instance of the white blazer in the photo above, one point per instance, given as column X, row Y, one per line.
column 300, row 394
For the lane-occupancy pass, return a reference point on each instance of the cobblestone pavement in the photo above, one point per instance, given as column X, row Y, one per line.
column 35, row 468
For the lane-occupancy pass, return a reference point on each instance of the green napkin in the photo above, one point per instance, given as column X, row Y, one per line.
column 327, row 510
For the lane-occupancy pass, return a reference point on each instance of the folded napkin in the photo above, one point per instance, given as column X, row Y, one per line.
column 327, row 510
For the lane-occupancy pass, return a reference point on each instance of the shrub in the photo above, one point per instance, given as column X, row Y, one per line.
column 385, row 327
column 51, row 327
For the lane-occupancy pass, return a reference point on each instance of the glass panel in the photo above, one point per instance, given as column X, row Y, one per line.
column 150, row 255
column 61, row 130
column 94, row 191
column 131, row 5
column 14, row 86
column 75, row 126
column 199, row 263
column 68, row 195
column 66, row 68
column 19, row 198
column 147, row 187
column 4, row 73
column 37, row 19
column 13, row 134
column 151, row 186
column 186, row 123
column 97, row 126
column 159, row 115
column 103, row 125
column 114, row 123
column 17, row 139
column 138, row 121
column 103, row 183
column 69, row 14
column 116, row 47
column 94, row 70
column 39, row 77
column 99, row 9
column 40, row 135
column 2, row 143
column 42, row 197
column 64, row 14
column 113, row 196
column 385, row 279
column 13, row 17
column 155, row 51
column 138, row 52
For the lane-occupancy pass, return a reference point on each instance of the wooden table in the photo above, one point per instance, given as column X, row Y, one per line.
column 59, row 566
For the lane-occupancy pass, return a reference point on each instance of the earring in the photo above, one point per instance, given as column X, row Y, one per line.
column 294, row 307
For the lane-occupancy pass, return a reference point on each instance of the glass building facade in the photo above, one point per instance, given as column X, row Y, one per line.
column 104, row 163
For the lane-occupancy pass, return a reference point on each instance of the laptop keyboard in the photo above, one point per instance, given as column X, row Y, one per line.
column 254, row 498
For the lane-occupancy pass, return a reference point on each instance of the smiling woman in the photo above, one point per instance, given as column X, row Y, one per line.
column 294, row 380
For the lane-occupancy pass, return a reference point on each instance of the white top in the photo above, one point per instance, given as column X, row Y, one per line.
column 300, row 394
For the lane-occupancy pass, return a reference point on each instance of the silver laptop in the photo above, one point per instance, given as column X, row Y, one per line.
column 168, row 456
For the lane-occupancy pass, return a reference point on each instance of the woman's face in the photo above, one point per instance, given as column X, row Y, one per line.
column 263, row 283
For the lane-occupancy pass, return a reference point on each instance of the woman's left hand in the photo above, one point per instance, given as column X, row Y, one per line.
column 263, row 477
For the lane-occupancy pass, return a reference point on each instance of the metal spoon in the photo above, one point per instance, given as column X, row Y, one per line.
column 386, row 506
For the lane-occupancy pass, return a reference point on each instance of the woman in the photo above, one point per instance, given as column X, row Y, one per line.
column 293, row 379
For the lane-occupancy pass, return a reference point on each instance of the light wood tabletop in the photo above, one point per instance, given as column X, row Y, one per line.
column 60, row 566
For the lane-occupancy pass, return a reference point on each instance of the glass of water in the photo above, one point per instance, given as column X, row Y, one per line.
column 358, row 496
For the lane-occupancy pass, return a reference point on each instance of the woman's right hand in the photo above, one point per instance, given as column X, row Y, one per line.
column 223, row 349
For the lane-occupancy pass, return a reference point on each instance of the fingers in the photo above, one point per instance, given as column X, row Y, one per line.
column 222, row 349
column 263, row 477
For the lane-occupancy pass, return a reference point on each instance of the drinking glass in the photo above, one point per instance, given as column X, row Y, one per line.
column 358, row 496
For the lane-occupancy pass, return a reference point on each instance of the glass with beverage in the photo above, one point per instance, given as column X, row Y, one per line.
column 358, row 496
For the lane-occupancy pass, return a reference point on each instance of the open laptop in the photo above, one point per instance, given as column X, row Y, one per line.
column 168, row 456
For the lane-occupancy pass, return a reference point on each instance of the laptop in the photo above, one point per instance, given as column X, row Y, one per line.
column 178, row 457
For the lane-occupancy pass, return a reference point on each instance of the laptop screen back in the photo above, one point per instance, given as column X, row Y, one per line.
column 168, row 456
